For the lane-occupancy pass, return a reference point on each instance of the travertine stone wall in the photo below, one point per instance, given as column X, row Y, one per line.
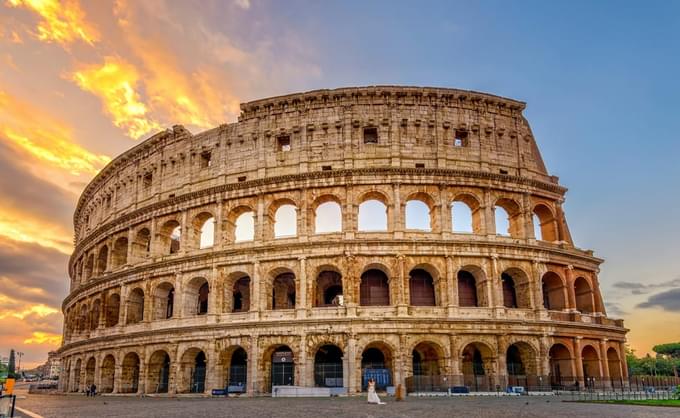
column 438, row 146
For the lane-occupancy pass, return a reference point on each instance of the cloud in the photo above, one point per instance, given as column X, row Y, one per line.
column 641, row 288
column 115, row 82
column 62, row 22
column 49, row 141
column 667, row 301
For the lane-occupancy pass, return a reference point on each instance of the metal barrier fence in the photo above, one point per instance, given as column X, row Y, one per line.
column 533, row 383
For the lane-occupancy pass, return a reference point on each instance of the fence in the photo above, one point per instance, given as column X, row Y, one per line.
column 533, row 383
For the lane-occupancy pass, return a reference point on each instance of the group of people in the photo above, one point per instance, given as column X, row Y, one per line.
column 91, row 390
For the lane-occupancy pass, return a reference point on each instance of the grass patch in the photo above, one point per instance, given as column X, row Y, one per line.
column 645, row 402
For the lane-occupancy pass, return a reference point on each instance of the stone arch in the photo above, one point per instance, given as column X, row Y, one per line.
column 328, row 366
column 561, row 366
column 466, row 214
column 193, row 366
column 553, row 290
column 120, row 250
column 112, row 310
column 472, row 292
column 614, row 363
column 591, row 362
column 545, row 223
column 328, row 289
column 164, row 301
column 516, row 288
column 377, row 362
column 102, row 259
column 203, row 230
column 374, row 286
column 241, row 224
column 326, row 214
column 416, row 204
column 159, row 372
column 108, row 371
column 283, row 290
column 90, row 367
column 511, row 210
column 196, row 295
column 370, row 216
column 170, row 237
column 135, row 306
column 129, row 376
column 141, row 246
column 422, row 287
column 583, row 291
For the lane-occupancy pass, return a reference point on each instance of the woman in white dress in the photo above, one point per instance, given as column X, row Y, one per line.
column 372, row 396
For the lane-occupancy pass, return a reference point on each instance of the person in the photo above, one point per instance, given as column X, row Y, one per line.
column 372, row 396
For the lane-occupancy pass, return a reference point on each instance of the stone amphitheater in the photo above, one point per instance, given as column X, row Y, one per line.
column 401, row 233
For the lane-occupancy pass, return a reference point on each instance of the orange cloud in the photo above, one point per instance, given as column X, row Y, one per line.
column 115, row 83
column 49, row 141
column 62, row 21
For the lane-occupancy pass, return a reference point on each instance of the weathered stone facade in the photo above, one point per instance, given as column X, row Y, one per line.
column 148, row 309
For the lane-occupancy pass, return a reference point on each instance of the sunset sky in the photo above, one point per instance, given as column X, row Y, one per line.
column 80, row 82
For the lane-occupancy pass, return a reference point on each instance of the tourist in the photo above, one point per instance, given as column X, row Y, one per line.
column 372, row 396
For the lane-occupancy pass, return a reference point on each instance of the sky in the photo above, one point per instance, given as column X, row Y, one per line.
column 80, row 82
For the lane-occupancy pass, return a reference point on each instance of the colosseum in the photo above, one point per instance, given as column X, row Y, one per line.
column 411, row 235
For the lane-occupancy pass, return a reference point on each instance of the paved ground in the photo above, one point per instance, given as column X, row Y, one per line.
column 469, row 407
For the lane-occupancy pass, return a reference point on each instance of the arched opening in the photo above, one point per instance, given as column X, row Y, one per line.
column 89, row 371
column 561, row 370
column 196, row 297
column 170, row 237
column 112, row 310
column 417, row 215
column 241, row 295
column 102, row 260
column 141, row 247
column 238, row 368
column 129, row 376
column 164, row 301
column 425, row 360
column 328, row 367
column 509, row 294
column 108, row 370
column 283, row 291
column 467, row 290
column 135, row 306
column 477, row 367
column 204, row 228
column 328, row 218
column 591, row 364
column 614, row 363
column 120, row 249
column 244, row 227
column 372, row 216
column 376, row 364
column 461, row 218
column 282, row 367
column 421, row 288
column 374, row 289
column 328, row 289
column 545, row 225
column 76, row 376
column 193, row 371
column 158, row 380
column 584, row 296
column 285, row 221
column 94, row 314
column 553, row 291
column 506, row 216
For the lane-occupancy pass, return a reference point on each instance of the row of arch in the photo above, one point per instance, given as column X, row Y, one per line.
column 375, row 287
column 373, row 216
column 278, row 365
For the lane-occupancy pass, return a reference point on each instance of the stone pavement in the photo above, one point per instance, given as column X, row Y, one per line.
column 76, row 406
